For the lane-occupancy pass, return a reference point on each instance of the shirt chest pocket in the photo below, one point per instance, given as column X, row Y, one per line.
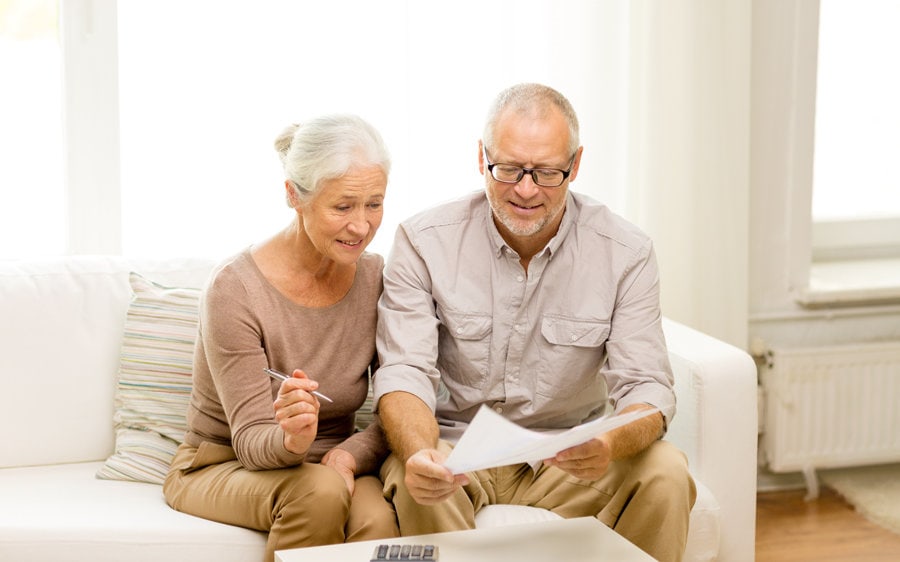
column 464, row 347
column 572, row 353
column 576, row 333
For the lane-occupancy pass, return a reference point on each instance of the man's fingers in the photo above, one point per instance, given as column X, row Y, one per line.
column 427, row 480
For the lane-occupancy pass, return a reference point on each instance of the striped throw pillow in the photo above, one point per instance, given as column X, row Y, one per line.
column 154, row 381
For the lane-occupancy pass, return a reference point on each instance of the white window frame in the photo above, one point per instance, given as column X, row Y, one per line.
column 855, row 239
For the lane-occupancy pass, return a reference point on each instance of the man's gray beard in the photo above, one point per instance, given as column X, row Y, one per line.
column 515, row 226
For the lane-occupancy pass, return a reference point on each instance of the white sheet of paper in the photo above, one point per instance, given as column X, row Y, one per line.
column 492, row 440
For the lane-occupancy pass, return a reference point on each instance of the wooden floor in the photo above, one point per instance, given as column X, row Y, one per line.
column 790, row 529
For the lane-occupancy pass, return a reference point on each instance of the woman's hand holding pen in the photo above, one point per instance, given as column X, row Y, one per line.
column 297, row 412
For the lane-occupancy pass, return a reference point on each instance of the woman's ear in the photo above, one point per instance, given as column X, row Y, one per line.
column 290, row 195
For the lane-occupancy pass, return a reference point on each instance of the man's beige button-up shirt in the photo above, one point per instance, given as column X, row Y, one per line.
column 461, row 323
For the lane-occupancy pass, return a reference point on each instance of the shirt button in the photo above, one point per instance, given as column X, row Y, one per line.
column 573, row 337
column 459, row 330
column 520, row 278
column 498, row 409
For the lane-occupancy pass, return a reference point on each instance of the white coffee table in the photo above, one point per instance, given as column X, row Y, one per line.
column 571, row 540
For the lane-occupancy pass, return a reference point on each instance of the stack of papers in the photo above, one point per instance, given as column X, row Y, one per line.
column 492, row 440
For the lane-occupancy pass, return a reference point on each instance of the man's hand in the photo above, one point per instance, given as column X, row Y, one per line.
column 588, row 461
column 428, row 481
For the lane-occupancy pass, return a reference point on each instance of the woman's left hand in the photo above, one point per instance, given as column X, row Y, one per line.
column 345, row 465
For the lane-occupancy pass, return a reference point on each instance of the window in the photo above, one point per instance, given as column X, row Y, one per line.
column 857, row 111
column 32, row 199
column 856, row 180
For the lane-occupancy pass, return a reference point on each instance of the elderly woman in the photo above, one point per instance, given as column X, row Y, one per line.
column 275, row 455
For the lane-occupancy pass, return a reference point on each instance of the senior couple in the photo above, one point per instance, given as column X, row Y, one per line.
column 525, row 297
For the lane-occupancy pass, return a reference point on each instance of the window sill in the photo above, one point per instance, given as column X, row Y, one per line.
column 852, row 283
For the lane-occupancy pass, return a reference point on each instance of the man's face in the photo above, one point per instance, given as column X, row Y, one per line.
column 525, row 212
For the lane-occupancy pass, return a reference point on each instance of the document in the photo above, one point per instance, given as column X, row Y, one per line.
column 492, row 440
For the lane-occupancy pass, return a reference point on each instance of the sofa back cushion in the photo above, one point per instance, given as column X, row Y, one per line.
column 61, row 327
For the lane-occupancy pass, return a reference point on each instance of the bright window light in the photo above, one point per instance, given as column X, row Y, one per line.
column 204, row 93
column 32, row 200
column 857, row 143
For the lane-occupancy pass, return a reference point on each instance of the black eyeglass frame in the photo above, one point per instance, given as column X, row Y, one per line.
column 529, row 171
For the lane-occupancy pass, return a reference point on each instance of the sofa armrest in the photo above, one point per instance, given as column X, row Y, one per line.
column 716, row 426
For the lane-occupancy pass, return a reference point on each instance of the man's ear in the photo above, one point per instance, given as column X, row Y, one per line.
column 481, row 157
column 576, row 164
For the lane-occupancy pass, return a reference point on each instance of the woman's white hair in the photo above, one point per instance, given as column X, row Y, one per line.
column 328, row 147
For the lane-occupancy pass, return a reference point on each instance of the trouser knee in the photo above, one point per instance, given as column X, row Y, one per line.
column 371, row 515
column 665, row 467
column 328, row 498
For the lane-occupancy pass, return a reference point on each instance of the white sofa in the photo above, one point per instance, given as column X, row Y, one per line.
column 61, row 322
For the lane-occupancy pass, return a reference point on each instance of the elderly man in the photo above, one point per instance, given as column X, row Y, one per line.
column 544, row 306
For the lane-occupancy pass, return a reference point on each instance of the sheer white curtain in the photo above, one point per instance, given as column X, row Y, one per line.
column 206, row 85
column 689, row 154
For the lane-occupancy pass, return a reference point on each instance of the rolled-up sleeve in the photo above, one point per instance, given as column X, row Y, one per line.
column 637, row 368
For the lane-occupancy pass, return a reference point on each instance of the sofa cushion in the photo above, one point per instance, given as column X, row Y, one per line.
column 154, row 382
column 60, row 333
column 63, row 513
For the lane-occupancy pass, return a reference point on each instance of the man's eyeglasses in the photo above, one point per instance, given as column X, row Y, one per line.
column 544, row 177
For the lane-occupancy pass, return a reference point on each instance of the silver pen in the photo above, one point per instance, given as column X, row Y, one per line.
column 282, row 377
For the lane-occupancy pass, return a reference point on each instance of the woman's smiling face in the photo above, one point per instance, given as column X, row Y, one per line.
column 342, row 217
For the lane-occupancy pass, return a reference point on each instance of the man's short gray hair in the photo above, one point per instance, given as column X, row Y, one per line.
column 531, row 98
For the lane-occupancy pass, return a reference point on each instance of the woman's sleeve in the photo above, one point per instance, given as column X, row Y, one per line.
column 232, row 342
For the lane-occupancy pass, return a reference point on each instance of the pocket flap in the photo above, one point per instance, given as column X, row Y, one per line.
column 569, row 331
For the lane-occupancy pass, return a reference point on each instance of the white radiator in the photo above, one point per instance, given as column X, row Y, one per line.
column 831, row 407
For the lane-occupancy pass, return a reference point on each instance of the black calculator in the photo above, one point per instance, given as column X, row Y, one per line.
column 414, row 552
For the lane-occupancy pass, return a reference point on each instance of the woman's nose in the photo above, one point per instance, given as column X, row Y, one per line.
column 359, row 222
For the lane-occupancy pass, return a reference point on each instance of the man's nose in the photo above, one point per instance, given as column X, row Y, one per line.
column 526, row 187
